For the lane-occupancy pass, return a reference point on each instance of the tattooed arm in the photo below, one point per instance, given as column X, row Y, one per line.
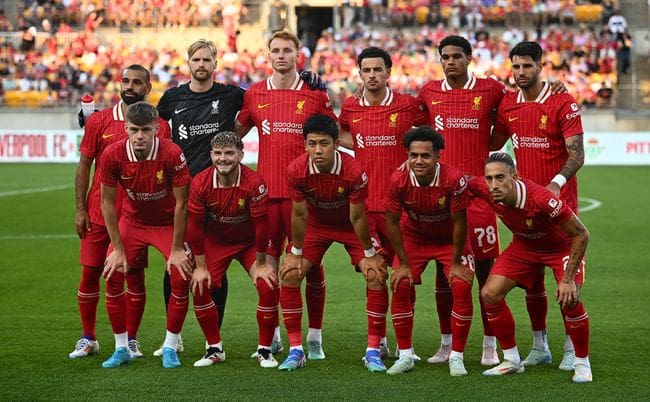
column 573, row 163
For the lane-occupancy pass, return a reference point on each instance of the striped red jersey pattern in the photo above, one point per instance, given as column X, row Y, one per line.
column 536, row 217
column 102, row 129
column 328, row 194
column 464, row 117
column 428, row 209
column 279, row 115
column 538, row 131
column 230, row 210
column 377, row 132
column 148, row 183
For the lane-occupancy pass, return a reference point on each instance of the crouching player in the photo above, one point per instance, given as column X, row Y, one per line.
column 154, row 174
column 546, row 232
column 434, row 197
column 228, row 220
column 328, row 190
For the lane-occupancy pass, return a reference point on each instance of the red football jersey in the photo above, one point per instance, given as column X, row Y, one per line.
column 538, row 130
column 102, row 129
column 428, row 209
column 328, row 194
column 149, row 183
column 464, row 117
column 378, row 132
column 230, row 210
column 536, row 217
column 279, row 115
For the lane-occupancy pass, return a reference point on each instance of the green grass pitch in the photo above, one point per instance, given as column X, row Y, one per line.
column 39, row 320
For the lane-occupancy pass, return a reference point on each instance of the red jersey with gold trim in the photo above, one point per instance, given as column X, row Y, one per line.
column 538, row 131
column 279, row 115
column 230, row 210
column 377, row 132
column 464, row 117
column 536, row 217
column 328, row 194
column 148, row 183
column 102, row 129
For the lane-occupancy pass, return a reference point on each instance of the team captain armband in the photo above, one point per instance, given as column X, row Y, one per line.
column 559, row 180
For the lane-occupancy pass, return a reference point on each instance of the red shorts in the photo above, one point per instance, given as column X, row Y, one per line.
column 137, row 239
column 95, row 245
column 319, row 238
column 482, row 230
column 377, row 223
column 218, row 257
column 279, row 224
column 420, row 253
column 523, row 265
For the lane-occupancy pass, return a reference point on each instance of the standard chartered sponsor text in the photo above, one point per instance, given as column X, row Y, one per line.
column 287, row 127
column 379, row 140
column 462, row 122
column 534, row 142
column 203, row 129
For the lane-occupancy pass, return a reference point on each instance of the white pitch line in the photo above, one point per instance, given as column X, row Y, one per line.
column 39, row 237
column 35, row 190
column 592, row 204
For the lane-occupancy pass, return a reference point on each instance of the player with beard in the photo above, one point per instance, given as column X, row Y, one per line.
column 102, row 129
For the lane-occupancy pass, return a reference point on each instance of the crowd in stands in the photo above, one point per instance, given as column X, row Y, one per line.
column 583, row 57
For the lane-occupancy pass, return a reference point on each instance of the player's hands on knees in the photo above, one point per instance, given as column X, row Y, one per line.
column 291, row 262
column 374, row 264
column 400, row 273
column 264, row 272
column 567, row 294
column 116, row 261
column 181, row 261
column 460, row 271
column 81, row 223
column 199, row 276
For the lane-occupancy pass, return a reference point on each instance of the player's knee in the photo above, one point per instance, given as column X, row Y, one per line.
column 490, row 295
column 292, row 278
column 375, row 281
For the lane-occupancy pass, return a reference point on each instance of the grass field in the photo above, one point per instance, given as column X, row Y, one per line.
column 39, row 320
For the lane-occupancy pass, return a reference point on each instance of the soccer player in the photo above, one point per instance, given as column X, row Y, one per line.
column 102, row 129
column 461, row 108
column 197, row 111
column 328, row 189
column 546, row 232
column 434, row 227
column 546, row 131
column 279, row 108
column 154, row 174
column 374, row 126
column 233, row 200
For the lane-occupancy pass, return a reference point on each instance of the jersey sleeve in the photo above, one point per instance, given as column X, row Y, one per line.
column 569, row 117
column 165, row 106
column 326, row 105
column 477, row 187
column 295, row 184
column 181, row 174
column 422, row 96
column 110, row 170
column 89, row 143
column 195, row 219
column 344, row 118
column 245, row 116
column 459, row 195
column 392, row 200
column 420, row 114
column 551, row 205
column 164, row 131
column 259, row 198
column 359, row 190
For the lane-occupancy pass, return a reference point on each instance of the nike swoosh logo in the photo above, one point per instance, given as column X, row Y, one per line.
column 512, row 118
column 177, row 111
column 106, row 136
column 487, row 250
column 357, row 120
column 436, row 102
column 262, row 106
column 126, row 177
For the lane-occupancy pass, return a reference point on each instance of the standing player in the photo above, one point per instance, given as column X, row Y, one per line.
column 545, row 233
column 279, row 107
column 154, row 174
column 328, row 190
column 102, row 129
column 232, row 199
column 434, row 227
column 374, row 126
column 461, row 108
column 546, row 131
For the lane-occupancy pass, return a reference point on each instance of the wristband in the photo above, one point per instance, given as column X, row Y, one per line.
column 559, row 180
column 296, row 251
column 369, row 252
